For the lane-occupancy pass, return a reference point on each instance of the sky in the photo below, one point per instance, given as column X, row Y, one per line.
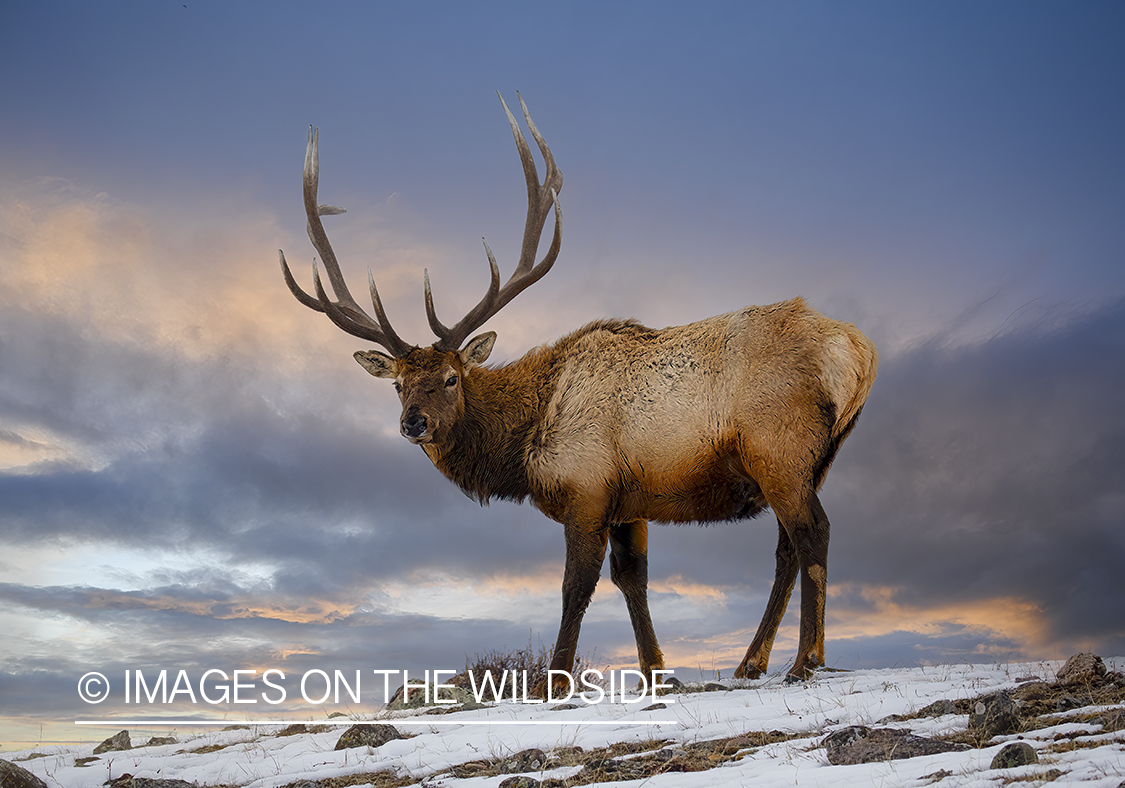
column 195, row 475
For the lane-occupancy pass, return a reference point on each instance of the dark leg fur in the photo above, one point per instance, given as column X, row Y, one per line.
column 628, row 566
column 802, row 543
column 585, row 552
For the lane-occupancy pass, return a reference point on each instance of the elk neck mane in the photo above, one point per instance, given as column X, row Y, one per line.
column 485, row 453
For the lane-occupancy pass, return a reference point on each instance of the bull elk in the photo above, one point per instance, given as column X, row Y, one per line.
column 617, row 424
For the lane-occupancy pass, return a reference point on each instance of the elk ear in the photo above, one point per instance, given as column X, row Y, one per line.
column 476, row 352
column 378, row 364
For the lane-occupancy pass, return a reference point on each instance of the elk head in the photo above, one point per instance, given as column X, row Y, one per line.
column 430, row 380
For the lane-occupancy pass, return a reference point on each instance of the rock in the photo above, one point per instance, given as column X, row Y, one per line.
column 418, row 699
column 293, row 730
column 1017, row 753
column 939, row 708
column 470, row 769
column 564, row 706
column 714, row 686
column 520, row 782
column 367, row 736
column 655, row 707
column 85, row 761
column 129, row 781
column 1067, row 702
column 994, row 715
column 119, row 741
column 858, row 744
column 673, row 685
column 1033, row 690
column 1081, row 669
column 533, row 760
column 12, row 776
column 157, row 741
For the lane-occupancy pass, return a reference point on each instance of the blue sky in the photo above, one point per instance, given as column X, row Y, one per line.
column 195, row 474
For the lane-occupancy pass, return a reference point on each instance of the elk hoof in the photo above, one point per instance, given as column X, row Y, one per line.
column 802, row 670
column 748, row 671
column 558, row 691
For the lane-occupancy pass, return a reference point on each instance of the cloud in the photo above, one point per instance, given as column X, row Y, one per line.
column 166, row 406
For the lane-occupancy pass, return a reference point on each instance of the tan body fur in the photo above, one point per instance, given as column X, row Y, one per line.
column 617, row 424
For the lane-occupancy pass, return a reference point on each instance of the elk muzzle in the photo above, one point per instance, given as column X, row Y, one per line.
column 414, row 426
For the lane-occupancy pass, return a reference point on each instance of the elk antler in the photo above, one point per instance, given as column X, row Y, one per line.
column 344, row 312
column 540, row 198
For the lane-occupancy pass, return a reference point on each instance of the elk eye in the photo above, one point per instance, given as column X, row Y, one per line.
column 398, row 387
column 452, row 381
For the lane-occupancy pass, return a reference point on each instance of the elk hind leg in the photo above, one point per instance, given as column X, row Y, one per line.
column 757, row 657
column 628, row 567
column 810, row 533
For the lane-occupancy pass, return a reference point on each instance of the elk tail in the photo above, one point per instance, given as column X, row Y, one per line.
column 848, row 365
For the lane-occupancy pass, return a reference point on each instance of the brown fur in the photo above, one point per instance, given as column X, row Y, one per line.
column 617, row 424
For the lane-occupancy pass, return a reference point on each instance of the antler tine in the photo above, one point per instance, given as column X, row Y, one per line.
column 540, row 198
column 344, row 312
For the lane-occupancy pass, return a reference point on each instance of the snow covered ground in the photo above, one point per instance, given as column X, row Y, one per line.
column 461, row 750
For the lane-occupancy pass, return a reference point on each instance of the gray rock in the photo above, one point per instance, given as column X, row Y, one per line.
column 115, row 743
column 655, row 707
column 12, row 776
column 532, row 760
column 129, row 781
column 859, row 744
column 994, row 715
column 1017, row 753
column 1081, row 669
column 367, row 736
column 673, row 685
column 714, row 686
column 157, row 741
column 418, row 698
column 1034, row 690
column 1067, row 702
column 939, row 708
column 520, row 782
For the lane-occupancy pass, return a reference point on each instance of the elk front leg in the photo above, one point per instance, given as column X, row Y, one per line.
column 628, row 568
column 585, row 552
column 757, row 657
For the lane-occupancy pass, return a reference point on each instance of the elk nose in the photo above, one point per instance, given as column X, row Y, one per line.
column 414, row 425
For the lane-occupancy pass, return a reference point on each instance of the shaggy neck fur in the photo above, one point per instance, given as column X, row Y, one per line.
column 484, row 451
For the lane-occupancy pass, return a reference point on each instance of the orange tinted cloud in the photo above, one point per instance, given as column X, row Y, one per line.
column 309, row 611
column 881, row 613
